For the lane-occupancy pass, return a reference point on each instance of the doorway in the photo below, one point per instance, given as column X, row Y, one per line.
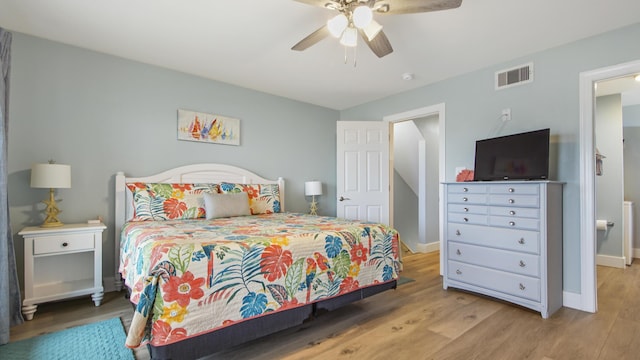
column 588, row 297
column 431, row 112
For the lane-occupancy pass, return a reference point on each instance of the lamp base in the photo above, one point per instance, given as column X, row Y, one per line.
column 52, row 212
column 313, row 210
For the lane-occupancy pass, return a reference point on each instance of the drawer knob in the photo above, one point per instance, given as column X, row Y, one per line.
column 511, row 201
column 512, row 223
column 522, row 287
column 466, row 219
column 465, row 199
column 511, row 190
column 460, row 272
column 458, row 232
column 521, row 241
column 512, row 212
column 466, row 209
column 458, row 252
column 465, row 190
column 65, row 244
column 522, row 263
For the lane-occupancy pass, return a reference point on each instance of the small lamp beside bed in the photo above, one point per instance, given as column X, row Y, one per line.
column 52, row 176
column 313, row 188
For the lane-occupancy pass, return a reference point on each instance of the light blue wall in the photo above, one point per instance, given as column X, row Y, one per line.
column 405, row 212
column 429, row 127
column 102, row 114
column 631, row 133
column 473, row 109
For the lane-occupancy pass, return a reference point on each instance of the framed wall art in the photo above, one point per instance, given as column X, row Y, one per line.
column 209, row 128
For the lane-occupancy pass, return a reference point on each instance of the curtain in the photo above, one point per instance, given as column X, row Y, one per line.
column 9, row 289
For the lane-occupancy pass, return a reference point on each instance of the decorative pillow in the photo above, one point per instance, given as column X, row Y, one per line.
column 163, row 201
column 226, row 205
column 263, row 198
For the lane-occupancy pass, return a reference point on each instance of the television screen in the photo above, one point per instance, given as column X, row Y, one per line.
column 523, row 156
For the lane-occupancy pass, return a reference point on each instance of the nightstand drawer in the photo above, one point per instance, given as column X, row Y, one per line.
column 62, row 243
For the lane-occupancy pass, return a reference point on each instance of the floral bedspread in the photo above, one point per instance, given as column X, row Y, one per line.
column 189, row 277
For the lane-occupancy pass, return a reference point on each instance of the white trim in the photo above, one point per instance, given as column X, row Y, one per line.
column 427, row 248
column 571, row 300
column 439, row 110
column 611, row 261
column 636, row 253
column 588, row 283
column 433, row 246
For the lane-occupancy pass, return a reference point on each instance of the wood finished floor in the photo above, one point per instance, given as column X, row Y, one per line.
column 420, row 320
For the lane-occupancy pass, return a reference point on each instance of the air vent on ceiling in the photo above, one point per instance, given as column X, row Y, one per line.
column 518, row 75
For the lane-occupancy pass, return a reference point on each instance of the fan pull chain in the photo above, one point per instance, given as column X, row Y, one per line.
column 355, row 55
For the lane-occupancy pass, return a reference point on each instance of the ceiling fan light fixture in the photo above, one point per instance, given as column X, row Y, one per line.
column 349, row 37
column 372, row 30
column 337, row 25
column 637, row 77
column 362, row 16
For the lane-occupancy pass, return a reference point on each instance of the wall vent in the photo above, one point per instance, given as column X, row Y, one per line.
column 519, row 75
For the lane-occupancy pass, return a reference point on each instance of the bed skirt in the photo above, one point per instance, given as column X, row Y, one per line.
column 221, row 339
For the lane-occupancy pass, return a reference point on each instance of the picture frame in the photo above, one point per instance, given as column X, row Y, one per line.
column 208, row 128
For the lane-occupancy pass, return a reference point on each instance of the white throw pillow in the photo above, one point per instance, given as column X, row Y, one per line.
column 226, row 205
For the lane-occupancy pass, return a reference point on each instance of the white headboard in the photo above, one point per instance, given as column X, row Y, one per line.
column 197, row 173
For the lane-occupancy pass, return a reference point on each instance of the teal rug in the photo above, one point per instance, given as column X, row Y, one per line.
column 98, row 341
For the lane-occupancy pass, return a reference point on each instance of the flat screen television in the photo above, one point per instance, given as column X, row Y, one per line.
column 523, row 156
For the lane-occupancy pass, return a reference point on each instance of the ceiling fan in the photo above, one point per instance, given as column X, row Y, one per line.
column 356, row 17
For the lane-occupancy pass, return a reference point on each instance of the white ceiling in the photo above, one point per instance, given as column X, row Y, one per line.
column 247, row 42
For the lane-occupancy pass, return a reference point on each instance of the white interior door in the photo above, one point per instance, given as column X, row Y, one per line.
column 363, row 176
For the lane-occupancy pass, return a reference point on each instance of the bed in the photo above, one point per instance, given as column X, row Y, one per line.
column 211, row 259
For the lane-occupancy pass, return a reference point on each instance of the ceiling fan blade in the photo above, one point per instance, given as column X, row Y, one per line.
column 412, row 6
column 380, row 44
column 312, row 39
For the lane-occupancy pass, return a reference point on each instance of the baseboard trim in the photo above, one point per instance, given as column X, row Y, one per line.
column 572, row 300
column 426, row 248
column 431, row 247
column 612, row 261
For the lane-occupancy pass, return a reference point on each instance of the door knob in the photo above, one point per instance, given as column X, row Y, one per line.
column 342, row 198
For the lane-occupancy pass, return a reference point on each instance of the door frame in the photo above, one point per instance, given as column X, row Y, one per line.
column 439, row 110
column 588, row 283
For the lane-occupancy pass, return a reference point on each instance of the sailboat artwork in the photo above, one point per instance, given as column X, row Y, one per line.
column 209, row 128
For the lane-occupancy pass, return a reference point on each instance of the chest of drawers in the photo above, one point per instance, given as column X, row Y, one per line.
column 504, row 240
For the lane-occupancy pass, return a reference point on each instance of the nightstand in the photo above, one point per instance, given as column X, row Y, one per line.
column 61, row 262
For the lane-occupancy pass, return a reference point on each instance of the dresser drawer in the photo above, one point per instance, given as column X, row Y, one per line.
column 468, row 209
column 514, row 223
column 477, row 219
column 516, row 262
column 507, row 239
column 480, row 199
column 512, row 284
column 533, row 213
column 62, row 243
column 515, row 189
column 467, row 189
column 514, row 200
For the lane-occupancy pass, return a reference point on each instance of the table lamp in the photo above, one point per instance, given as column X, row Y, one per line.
column 313, row 188
column 52, row 176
